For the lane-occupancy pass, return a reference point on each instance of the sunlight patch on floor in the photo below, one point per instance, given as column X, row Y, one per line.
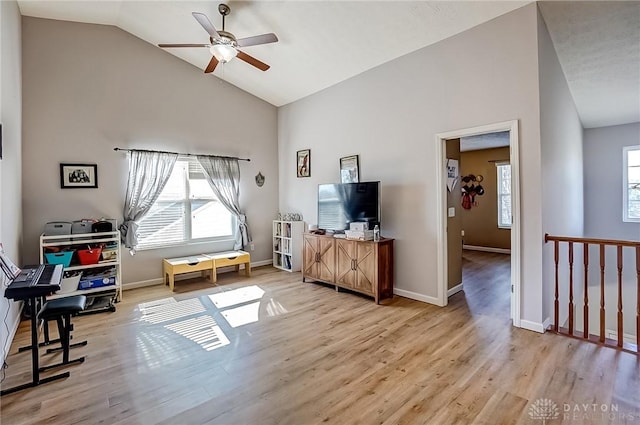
column 159, row 312
column 274, row 308
column 156, row 303
column 202, row 330
column 237, row 296
column 242, row 315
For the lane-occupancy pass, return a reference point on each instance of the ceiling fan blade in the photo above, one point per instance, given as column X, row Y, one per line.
column 252, row 61
column 257, row 39
column 212, row 65
column 183, row 45
column 206, row 24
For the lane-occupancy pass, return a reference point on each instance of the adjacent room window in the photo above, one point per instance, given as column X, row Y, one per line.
column 504, row 194
column 631, row 182
column 186, row 211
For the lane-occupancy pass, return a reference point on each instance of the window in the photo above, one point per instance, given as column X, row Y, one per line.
column 186, row 211
column 504, row 194
column 631, row 181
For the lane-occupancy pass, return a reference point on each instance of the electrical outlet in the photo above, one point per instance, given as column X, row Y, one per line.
column 252, row 246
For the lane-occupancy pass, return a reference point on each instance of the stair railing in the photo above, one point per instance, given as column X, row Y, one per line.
column 601, row 244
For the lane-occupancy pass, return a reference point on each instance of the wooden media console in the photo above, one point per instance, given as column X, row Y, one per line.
column 361, row 266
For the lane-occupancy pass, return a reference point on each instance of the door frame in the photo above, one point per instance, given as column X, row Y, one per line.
column 441, row 202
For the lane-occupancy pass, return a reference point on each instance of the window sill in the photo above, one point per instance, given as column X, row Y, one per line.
column 225, row 239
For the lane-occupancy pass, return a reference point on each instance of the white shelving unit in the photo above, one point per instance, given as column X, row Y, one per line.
column 111, row 293
column 287, row 245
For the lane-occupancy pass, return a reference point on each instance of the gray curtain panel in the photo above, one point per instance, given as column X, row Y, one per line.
column 223, row 175
column 148, row 175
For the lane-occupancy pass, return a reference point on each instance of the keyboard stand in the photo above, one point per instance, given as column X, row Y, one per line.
column 31, row 302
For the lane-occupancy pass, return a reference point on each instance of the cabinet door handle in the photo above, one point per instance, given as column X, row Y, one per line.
column 317, row 257
column 353, row 264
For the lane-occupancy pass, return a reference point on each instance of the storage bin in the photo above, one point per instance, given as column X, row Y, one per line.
column 109, row 254
column 81, row 226
column 101, row 226
column 70, row 282
column 63, row 257
column 97, row 281
column 55, row 228
column 89, row 256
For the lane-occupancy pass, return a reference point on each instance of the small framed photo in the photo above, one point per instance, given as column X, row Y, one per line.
column 349, row 169
column 303, row 163
column 76, row 176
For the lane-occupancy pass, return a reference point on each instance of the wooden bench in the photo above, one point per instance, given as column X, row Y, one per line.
column 230, row 258
column 194, row 263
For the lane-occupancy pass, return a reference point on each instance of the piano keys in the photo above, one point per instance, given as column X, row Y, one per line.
column 35, row 281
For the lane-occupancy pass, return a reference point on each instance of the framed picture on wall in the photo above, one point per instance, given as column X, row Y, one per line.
column 77, row 176
column 303, row 163
column 349, row 169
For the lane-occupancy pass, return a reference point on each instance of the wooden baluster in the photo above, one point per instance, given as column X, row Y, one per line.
column 586, row 290
column 638, row 300
column 602, row 293
column 620, row 327
column 570, row 288
column 556, row 304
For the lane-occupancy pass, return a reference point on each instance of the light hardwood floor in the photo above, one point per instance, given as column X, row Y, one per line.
column 310, row 355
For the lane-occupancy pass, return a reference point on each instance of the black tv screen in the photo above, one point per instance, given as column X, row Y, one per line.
column 342, row 203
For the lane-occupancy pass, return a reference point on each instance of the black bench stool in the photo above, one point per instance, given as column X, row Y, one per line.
column 61, row 310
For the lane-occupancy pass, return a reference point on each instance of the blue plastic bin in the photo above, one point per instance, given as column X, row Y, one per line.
column 63, row 257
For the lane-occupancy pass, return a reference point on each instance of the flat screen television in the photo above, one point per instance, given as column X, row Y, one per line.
column 342, row 203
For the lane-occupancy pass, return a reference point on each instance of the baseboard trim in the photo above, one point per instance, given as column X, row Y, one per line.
column 262, row 263
column 628, row 338
column 12, row 334
column 546, row 323
column 183, row 276
column 416, row 296
column 487, row 249
column 141, row 284
column 533, row 326
column 454, row 290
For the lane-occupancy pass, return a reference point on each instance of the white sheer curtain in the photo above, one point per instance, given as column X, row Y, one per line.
column 148, row 174
column 223, row 175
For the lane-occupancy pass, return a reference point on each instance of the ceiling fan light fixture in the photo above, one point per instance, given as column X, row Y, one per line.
column 224, row 52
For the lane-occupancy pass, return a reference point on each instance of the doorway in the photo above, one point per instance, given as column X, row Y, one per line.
column 444, row 251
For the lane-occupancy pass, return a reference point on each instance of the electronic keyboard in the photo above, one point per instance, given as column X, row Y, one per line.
column 35, row 281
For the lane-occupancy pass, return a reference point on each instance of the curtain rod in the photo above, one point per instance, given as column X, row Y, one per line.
column 183, row 154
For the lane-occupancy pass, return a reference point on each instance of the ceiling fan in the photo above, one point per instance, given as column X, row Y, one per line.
column 224, row 45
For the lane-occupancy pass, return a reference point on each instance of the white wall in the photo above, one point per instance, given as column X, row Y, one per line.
column 11, row 163
column 101, row 88
column 603, row 181
column 390, row 116
column 603, row 165
column 561, row 158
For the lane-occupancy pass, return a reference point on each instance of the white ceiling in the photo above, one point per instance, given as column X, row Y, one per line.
column 325, row 42
column 598, row 45
column 484, row 141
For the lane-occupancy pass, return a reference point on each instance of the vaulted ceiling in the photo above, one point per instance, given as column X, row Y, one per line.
column 325, row 42
column 598, row 45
